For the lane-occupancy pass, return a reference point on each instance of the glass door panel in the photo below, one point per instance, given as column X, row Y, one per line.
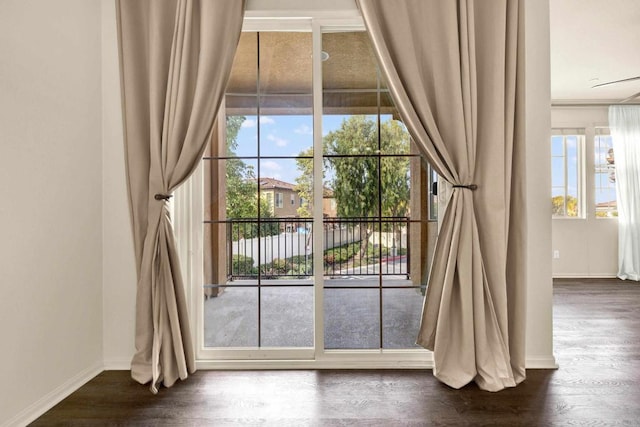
column 266, row 176
column 261, row 292
column 372, row 292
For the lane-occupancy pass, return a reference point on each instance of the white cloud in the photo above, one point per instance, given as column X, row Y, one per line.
column 280, row 142
column 303, row 130
column 270, row 165
column 249, row 123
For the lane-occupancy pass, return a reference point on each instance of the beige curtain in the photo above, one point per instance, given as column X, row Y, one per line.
column 175, row 58
column 451, row 66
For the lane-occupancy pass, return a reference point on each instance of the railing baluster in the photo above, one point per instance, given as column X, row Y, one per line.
column 296, row 250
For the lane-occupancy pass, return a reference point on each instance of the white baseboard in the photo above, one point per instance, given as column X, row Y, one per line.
column 32, row 412
column 117, row 364
column 584, row 276
column 541, row 362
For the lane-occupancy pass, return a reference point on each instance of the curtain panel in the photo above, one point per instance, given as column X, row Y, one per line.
column 624, row 121
column 175, row 60
column 452, row 69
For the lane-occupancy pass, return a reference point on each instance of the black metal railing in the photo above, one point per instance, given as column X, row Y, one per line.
column 280, row 248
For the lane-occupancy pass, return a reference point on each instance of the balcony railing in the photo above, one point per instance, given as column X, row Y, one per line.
column 280, row 248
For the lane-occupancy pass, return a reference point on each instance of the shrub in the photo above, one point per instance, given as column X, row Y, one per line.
column 242, row 265
column 279, row 266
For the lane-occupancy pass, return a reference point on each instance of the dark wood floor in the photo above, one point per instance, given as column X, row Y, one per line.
column 597, row 344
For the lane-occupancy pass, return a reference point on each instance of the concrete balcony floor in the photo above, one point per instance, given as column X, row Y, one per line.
column 352, row 318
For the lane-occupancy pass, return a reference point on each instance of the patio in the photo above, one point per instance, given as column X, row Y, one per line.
column 351, row 313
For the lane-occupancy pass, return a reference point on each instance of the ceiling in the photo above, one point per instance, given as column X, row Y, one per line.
column 592, row 42
column 281, row 62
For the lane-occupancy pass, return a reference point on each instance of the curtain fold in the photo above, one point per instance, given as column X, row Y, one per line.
column 452, row 69
column 624, row 121
column 175, row 60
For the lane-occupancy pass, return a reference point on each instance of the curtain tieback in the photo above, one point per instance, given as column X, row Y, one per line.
column 164, row 197
column 468, row 187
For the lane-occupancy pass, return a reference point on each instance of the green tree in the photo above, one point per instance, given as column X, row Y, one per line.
column 357, row 181
column 304, row 182
column 242, row 190
column 394, row 172
column 560, row 208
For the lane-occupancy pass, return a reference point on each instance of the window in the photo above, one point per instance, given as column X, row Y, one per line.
column 605, row 175
column 279, row 200
column 279, row 283
column 566, row 173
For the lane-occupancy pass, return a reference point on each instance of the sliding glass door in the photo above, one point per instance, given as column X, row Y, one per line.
column 315, row 223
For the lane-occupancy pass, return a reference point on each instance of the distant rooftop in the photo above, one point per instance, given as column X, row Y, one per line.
column 275, row 183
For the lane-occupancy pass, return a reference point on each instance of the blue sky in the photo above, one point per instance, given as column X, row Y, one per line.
column 604, row 189
column 288, row 135
column 280, row 136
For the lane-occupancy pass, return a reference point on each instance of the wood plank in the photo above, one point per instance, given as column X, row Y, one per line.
column 597, row 343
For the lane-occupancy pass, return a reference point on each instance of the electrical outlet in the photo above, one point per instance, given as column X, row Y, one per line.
column 556, row 254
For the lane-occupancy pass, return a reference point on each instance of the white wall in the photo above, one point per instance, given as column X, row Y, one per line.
column 536, row 56
column 119, row 271
column 588, row 247
column 50, row 202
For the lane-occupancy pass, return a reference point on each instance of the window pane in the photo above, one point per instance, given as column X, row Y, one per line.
column 351, row 318
column 285, row 63
column 557, row 171
column 351, row 63
column 401, row 312
column 394, row 137
column 241, row 195
column 285, row 248
column 566, row 179
column 605, row 177
column 354, row 182
column 279, row 179
column 344, row 253
column 242, row 131
column 557, row 146
column 395, row 185
column 393, row 250
column 244, row 72
column 231, row 318
column 286, row 135
column 286, row 316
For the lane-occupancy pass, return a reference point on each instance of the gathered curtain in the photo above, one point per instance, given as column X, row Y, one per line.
column 175, row 59
column 453, row 70
column 624, row 121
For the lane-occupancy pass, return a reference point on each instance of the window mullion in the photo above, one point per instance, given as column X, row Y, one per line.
column 318, row 226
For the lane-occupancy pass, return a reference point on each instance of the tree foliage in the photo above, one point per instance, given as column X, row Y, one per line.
column 560, row 208
column 242, row 190
column 357, row 181
column 304, row 183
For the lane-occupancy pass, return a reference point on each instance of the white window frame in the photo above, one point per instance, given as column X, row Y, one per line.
column 580, row 166
column 601, row 131
column 189, row 230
